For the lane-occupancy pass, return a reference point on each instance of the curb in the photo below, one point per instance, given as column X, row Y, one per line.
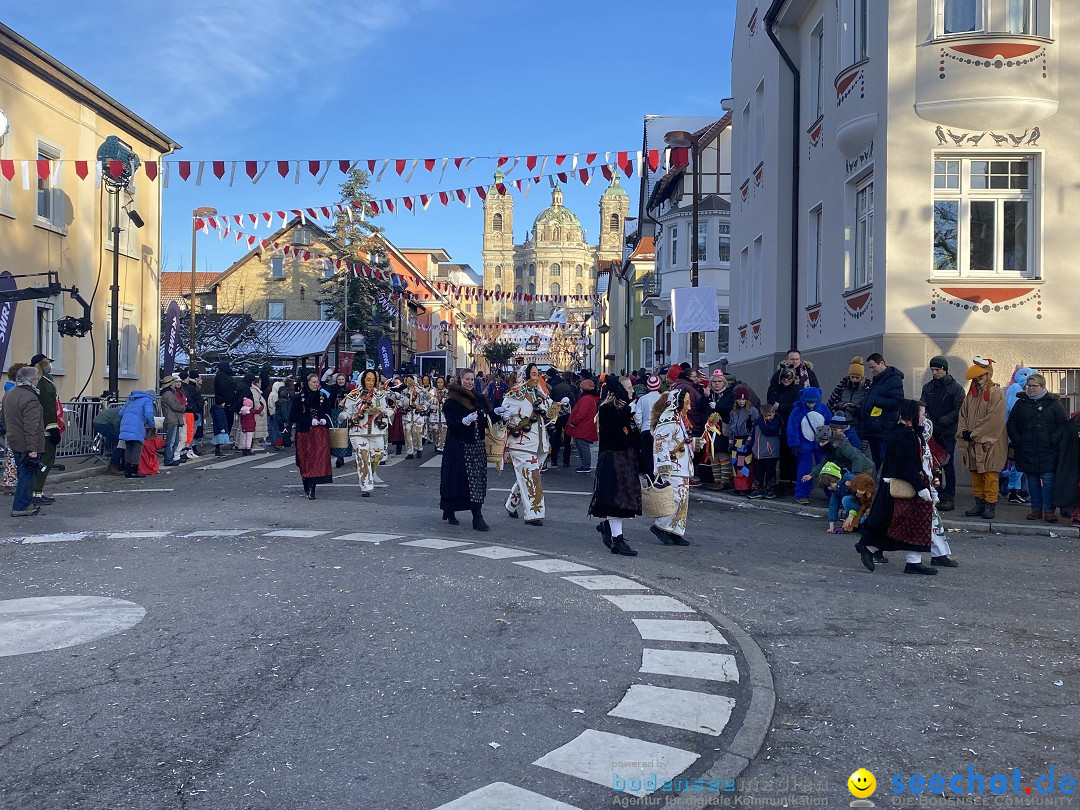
column 1057, row 531
column 76, row 475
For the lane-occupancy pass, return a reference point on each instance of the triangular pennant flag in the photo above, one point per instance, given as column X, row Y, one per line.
column 313, row 167
column 443, row 197
column 268, row 217
column 653, row 157
column 151, row 167
column 390, row 206
column 237, row 220
column 371, row 166
column 590, row 157
column 585, row 176
column 680, row 156
column 481, row 192
column 344, row 166
column 7, row 168
column 424, row 201
column 608, row 174
column 82, row 168
column 407, row 202
column 283, row 168
column 562, row 176
column 501, row 188
column 44, row 169
column 382, row 171
column 461, row 194
column 399, row 166
column 530, row 162
column 116, row 169
column 311, row 212
column 559, row 160
column 251, row 168
column 325, row 212
column 412, row 169
column 218, row 167
column 457, row 162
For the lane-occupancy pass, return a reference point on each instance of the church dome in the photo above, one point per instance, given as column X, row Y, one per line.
column 557, row 213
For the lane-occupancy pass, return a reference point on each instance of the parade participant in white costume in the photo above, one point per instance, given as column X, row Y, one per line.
column 414, row 407
column 527, row 444
column 436, row 418
column 367, row 411
column 673, row 461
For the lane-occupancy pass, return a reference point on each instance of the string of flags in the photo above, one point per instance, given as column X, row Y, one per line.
column 254, row 170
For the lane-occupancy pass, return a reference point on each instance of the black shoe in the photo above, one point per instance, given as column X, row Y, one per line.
column 880, row 558
column 514, row 515
column 978, row 509
column 990, row 511
column 605, row 532
column 770, row 494
column 666, row 538
column 311, row 493
column 1014, row 497
column 451, row 518
column 919, row 568
column 217, row 450
column 866, row 556
column 534, row 523
column 946, row 505
column 339, row 463
column 944, row 562
column 43, row 500
column 679, row 541
column 408, row 456
column 478, row 522
column 365, row 494
column 618, row 546
column 1024, row 496
column 756, row 494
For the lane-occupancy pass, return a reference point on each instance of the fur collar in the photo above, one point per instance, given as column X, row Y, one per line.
column 464, row 397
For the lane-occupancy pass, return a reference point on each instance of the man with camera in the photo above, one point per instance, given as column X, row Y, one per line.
column 51, row 414
column 25, row 436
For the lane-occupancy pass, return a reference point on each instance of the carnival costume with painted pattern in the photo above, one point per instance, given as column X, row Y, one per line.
column 673, row 459
column 527, row 447
column 436, row 422
column 414, row 404
column 368, row 414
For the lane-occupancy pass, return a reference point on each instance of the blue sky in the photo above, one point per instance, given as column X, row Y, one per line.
column 357, row 79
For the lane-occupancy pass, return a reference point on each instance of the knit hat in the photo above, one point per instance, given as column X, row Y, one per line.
column 742, row 392
column 588, row 385
column 980, row 366
column 653, row 383
column 673, row 373
column 823, row 433
column 811, row 394
column 830, row 468
column 839, row 420
column 937, row 361
column 730, row 379
column 856, row 367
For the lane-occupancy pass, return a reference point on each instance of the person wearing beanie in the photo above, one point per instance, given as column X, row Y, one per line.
column 943, row 396
column 743, row 417
column 982, row 438
column 173, row 407
column 879, row 411
column 806, row 417
column 715, row 414
column 765, row 444
column 846, row 399
column 834, row 480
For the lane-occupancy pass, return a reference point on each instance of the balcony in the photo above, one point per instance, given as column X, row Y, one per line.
column 651, row 286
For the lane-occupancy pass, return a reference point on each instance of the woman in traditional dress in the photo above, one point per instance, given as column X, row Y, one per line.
column 902, row 524
column 616, row 489
column 367, row 412
column 463, row 479
column 528, row 444
column 673, row 461
column 310, row 417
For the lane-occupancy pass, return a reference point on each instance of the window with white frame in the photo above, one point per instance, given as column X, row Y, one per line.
column 744, row 286
column 757, row 278
column 5, row 184
column 984, row 216
column 723, row 333
column 327, row 268
column 855, row 32
column 275, row 310
column 813, row 276
column 724, row 249
column 648, row 358
column 746, row 149
column 759, row 124
column 703, row 242
column 48, row 208
column 1023, row 17
column 555, row 269
column 674, row 244
column 817, row 71
column 302, row 236
column 962, row 16
column 128, row 238
column 1017, row 17
column 44, row 329
column 862, row 265
column 277, row 267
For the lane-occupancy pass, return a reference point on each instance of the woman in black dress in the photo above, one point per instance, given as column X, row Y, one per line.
column 310, row 416
column 463, row 480
column 617, row 489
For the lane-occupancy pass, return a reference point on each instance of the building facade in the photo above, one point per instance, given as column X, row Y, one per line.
column 52, row 121
column 555, row 258
column 905, row 181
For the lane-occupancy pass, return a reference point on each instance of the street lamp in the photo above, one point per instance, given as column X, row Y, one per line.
column 680, row 139
column 204, row 211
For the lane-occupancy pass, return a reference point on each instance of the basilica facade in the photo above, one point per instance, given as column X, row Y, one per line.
column 555, row 258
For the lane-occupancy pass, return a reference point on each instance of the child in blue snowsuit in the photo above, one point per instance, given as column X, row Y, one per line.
column 806, row 417
column 834, row 481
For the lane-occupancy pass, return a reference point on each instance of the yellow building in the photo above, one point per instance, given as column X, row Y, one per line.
column 61, row 222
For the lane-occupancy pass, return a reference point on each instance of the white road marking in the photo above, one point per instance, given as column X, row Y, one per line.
column 392, row 460
column 686, row 664
column 435, row 543
column 366, row 537
column 232, row 462
column 547, row 491
column 496, row 552
column 503, row 796
column 647, row 604
column 553, row 566
column 436, row 464
column 54, row 622
column 605, row 759
column 295, row 533
column 678, row 630
column 136, row 535
column 218, row 533
column 277, row 462
column 299, row 486
column 677, row 708
column 606, row 582
column 55, row 538
column 111, row 492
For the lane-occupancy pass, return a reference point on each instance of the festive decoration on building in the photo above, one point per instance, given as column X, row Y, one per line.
column 985, row 300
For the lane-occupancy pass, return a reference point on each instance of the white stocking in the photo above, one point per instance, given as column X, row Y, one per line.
column 616, row 526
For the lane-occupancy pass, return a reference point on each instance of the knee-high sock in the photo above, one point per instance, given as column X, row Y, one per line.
column 616, row 526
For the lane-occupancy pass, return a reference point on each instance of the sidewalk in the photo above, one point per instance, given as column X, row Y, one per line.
column 1011, row 518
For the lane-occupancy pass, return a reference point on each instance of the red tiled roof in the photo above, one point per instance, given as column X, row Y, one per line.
column 646, row 249
column 177, row 286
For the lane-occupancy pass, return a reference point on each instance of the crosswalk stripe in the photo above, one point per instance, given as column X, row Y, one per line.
column 616, row 762
column 553, row 566
column 687, row 664
column 496, row 552
column 678, row 630
column 302, row 533
column 434, row 542
column 677, row 708
column 647, row 604
column 232, row 462
column 136, row 535
column 277, row 462
column 367, row 537
column 602, row 582
column 503, row 796
column 218, row 533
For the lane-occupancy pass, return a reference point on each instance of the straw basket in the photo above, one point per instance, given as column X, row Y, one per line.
column 657, row 501
column 339, row 438
column 495, row 443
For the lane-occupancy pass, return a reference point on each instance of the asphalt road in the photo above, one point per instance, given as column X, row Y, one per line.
column 903, row 675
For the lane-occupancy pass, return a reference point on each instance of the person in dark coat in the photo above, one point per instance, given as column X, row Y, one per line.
column 785, row 395
column 563, row 393
column 310, row 416
column 463, row 476
column 616, row 487
column 880, row 407
column 943, row 396
column 685, row 381
column 226, row 393
column 1067, row 479
column 901, row 524
column 846, row 399
column 1036, row 427
column 804, row 371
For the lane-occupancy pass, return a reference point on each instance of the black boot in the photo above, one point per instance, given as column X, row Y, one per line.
column 217, row 450
column 605, row 532
column 398, row 451
column 989, row 511
column 919, row 568
column 618, row 546
column 944, row 561
column 865, row 555
column 450, row 518
column 133, row 471
column 478, row 521
column 978, row 509
column 311, row 493
column 340, row 462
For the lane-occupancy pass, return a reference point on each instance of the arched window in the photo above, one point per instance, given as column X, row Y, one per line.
column 498, row 288
column 496, row 223
column 532, row 314
column 498, row 271
column 517, row 315
column 579, row 271
column 532, row 289
column 556, row 270
column 517, row 272
column 532, row 271
column 556, row 234
column 517, row 290
column 556, row 289
column 578, row 290
column 613, row 222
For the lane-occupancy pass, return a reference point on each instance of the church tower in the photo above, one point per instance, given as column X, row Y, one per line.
column 614, row 206
column 498, row 250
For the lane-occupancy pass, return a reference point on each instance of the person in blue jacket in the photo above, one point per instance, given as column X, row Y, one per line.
column 136, row 418
column 806, row 417
column 880, row 408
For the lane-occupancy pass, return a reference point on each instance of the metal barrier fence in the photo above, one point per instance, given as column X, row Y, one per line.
column 79, row 437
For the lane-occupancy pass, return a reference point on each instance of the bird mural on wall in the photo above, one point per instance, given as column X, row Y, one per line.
column 1036, row 133
column 975, row 139
column 999, row 139
column 957, row 139
column 1017, row 140
column 940, row 136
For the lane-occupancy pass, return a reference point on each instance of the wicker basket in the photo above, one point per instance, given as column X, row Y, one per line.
column 657, row 500
column 495, row 443
column 339, row 438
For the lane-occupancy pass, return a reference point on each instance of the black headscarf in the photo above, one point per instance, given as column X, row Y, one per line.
column 612, row 386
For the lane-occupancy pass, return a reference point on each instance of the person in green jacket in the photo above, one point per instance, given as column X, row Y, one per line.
column 47, row 396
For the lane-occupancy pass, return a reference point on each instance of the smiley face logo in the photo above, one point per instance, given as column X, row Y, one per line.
column 862, row 784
